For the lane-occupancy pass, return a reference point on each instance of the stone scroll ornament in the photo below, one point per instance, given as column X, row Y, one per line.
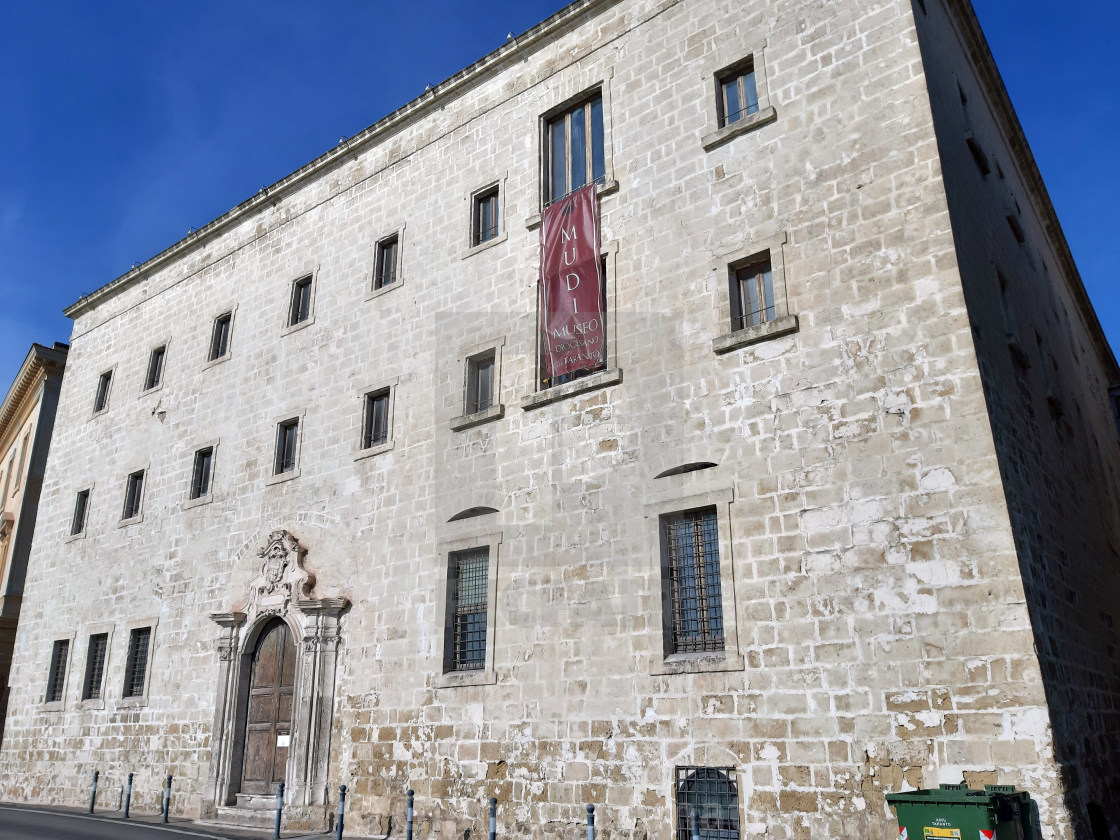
column 573, row 333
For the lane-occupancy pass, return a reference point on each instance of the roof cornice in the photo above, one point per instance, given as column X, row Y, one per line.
column 40, row 361
column 415, row 109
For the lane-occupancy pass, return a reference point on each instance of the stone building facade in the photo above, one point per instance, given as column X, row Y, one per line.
column 859, row 538
column 26, row 423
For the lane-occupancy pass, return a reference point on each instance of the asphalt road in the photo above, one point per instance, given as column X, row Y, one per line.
column 29, row 823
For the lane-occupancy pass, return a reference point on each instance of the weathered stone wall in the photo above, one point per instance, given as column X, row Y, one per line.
column 1046, row 372
column 878, row 635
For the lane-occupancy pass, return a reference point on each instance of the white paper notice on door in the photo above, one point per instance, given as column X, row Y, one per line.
column 283, row 739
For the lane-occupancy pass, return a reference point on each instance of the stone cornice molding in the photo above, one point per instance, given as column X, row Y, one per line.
column 41, row 362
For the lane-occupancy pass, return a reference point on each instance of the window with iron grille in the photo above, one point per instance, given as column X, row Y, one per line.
column 219, row 337
column 134, row 489
column 136, row 665
column 707, row 803
column 375, row 422
column 468, row 596
column 81, row 505
column 101, row 400
column 485, row 225
column 752, row 295
column 56, row 679
column 690, row 546
column 200, row 475
column 738, row 95
column 155, row 368
column 575, row 148
column 385, row 272
column 480, row 383
column 287, row 439
column 95, row 666
column 300, row 309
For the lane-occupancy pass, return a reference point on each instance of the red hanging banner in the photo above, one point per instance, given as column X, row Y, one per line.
column 573, row 334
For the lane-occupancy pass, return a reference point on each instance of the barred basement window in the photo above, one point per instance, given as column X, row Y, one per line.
column 385, row 273
column 56, row 679
column 480, row 383
column 300, row 309
column 95, row 666
column 287, row 439
column 200, row 475
column 155, row 368
column 690, row 551
column 752, row 295
column 219, row 338
column 134, row 490
column 136, row 665
column 81, row 505
column 707, row 803
column 575, row 148
column 738, row 95
column 375, row 422
column 101, row 400
column 485, row 222
column 465, row 648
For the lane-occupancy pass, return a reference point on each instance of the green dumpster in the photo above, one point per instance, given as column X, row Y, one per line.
column 998, row 812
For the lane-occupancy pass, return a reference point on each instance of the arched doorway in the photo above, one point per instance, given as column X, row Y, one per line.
column 268, row 710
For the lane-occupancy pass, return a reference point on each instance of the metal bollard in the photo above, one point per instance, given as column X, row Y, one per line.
column 167, row 798
column 692, row 829
column 410, row 812
column 341, row 810
column 127, row 796
column 93, row 791
column 279, row 811
column 590, row 822
column 493, row 818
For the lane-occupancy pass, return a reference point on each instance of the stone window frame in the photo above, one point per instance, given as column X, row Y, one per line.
column 212, row 444
column 496, row 184
column 310, row 274
column 71, row 535
column 372, row 289
column 91, row 631
column 299, row 415
column 490, row 540
column 231, row 311
column 688, row 492
column 382, row 385
column 136, row 519
column 612, row 373
column 731, row 59
column 144, row 389
column 67, row 668
column 138, row 700
column 724, row 263
column 497, row 408
column 112, row 374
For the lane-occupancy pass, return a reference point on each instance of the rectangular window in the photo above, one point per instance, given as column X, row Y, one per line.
column 707, row 801
column 738, row 95
column 219, row 338
column 81, row 505
column 286, row 440
column 375, row 423
column 155, row 368
column 200, row 475
column 690, row 550
column 752, row 295
column 132, row 495
column 95, row 666
column 385, row 273
column 8, row 478
column 485, row 225
column 136, row 666
column 300, row 310
column 575, row 148
column 468, row 591
column 56, row 679
column 101, row 401
column 22, row 459
column 480, row 383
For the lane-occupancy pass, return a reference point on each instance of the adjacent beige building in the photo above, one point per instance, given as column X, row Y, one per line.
column 837, row 518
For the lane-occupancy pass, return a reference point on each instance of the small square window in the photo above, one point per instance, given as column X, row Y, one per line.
column 385, row 273
column 752, row 295
column 134, row 491
column 219, row 337
column 200, row 474
column 738, row 95
column 375, row 421
column 575, row 148
column 300, row 309
column 136, row 665
column 691, row 581
column 95, row 666
column 485, row 221
column 81, row 506
column 287, row 440
column 468, row 597
column 480, row 383
column 56, row 679
column 101, row 400
column 155, row 368
column 707, row 801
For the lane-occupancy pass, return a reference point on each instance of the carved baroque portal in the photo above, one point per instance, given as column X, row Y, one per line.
column 283, row 588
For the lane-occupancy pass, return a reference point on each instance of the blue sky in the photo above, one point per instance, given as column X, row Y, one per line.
column 123, row 124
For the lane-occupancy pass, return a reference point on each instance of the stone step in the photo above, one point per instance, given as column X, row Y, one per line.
column 230, row 815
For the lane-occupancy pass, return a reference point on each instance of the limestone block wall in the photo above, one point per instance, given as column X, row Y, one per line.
column 877, row 634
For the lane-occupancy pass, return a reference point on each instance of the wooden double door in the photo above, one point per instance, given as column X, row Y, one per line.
column 268, row 716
